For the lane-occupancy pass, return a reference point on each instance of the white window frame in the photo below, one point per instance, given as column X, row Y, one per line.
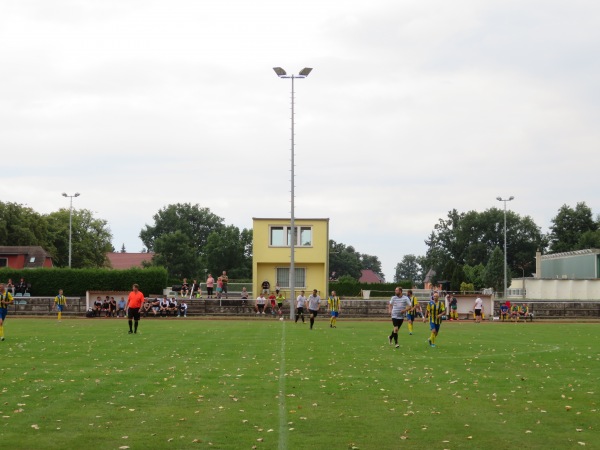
column 286, row 230
column 282, row 277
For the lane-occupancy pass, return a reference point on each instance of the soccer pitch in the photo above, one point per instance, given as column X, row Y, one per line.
column 266, row 384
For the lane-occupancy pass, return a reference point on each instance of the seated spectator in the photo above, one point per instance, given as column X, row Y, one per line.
column 105, row 306
column 260, row 304
column 121, row 307
column 164, row 307
column 146, row 307
column 524, row 313
column 10, row 286
column 185, row 288
column 112, row 307
column 172, row 309
column 155, row 305
column 97, row 306
column 182, row 310
column 21, row 287
column 196, row 290
column 504, row 312
column 514, row 312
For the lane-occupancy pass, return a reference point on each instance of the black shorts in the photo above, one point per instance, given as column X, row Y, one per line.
column 209, row 291
column 261, row 308
column 300, row 309
column 279, row 305
column 133, row 313
column 397, row 322
column 477, row 312
column 313, row 312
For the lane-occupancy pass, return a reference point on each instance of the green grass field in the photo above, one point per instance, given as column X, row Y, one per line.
column 266, row 384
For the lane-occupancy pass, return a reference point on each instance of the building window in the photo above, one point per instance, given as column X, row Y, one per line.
column 283, row 277
column 3, row 262
column 282, row 236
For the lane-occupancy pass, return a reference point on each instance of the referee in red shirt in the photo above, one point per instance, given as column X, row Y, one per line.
column 134, row 303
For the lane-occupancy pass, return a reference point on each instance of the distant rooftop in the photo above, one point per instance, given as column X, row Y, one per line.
column 128, row 260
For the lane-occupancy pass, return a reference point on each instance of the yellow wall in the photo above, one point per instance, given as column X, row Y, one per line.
column 314, row 259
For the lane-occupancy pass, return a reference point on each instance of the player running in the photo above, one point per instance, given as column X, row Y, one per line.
column 416, row 310
column 435, row 311
column 300, row 302
column 333, row 304
column 6, row 299
column 399, row 305
column 60, row 303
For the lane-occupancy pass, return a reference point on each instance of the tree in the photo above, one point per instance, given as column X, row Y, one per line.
column 475, row 275
column 231, row 250
column 468, row 239
column 179, row 237
column 589, row 239
column 494, row 271
column 569, row 225
column 408, row 269
column 91, row 239
column 21, row 225
column 344, row 260
column 123, row 248
column 371, row 262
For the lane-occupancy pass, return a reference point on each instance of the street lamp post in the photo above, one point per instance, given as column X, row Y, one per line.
column 282, row 74
column 505, row 200
column 77, row 194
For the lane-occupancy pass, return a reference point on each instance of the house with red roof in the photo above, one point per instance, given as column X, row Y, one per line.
column 128, row 260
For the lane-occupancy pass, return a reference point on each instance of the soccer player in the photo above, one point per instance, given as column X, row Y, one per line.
column 514, row 312
column 453, row 309
column 134, row 303
column 60, row 303
column 478, row 307
column 504, row 312
column 314, row 302
column 280, row 299
column 435, row 311
column 412, row 314
column 399, row 305
column 524, row 312
column 300, row 302
column 6, row 299
column 333, row 304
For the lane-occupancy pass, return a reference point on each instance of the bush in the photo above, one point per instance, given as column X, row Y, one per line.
column 75, row 282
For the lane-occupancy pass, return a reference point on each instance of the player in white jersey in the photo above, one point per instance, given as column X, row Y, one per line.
column 314, row 301
column 300, row 302
column 399, row 305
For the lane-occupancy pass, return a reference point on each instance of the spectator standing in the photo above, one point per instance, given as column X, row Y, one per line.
column 21, row 287
column 121, row 308
column 333, row 304
column 112, row 307
column 399, row 305
column 60, row 303
column 210, row 284
column 244, row 295
column 300, row 302
column 225, row 281
column 266, row 287
column 134, row 303
column 6, row 299
column 314, row 302
column 478, row 307
column 10, row 287
column 219, row 287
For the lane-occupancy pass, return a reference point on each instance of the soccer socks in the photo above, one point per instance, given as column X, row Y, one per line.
column 312, row 321
column 130, row 325
column 136, row 326
column 59, row 315
column 1, row 331
column 410, row 327
column 432, row 338
column 395, row 336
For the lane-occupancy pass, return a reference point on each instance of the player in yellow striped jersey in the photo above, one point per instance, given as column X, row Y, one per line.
column 435, row 311
column 333, row 304
column 6, row 299
column 412, row 314
column 60, row 303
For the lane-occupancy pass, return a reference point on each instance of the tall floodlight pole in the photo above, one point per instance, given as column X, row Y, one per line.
column 282, row 74
column 505, row 200
column 77, row 194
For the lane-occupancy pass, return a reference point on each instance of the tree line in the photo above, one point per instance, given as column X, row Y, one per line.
column 466, row 250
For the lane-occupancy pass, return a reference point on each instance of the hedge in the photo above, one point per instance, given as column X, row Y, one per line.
column 345, row 289
column 75, row 282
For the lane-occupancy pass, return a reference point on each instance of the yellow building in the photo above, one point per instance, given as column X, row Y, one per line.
column 271, row 255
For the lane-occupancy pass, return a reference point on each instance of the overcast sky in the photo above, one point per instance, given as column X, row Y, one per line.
column 413, row 108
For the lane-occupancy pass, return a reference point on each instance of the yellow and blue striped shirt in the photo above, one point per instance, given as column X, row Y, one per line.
column 436, row 311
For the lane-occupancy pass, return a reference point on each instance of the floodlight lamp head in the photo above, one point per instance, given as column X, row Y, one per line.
column 304, row 72
column 279, row 71
column 499, row 199
column 64, row 194
column 510, row 198
column 77, row 194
